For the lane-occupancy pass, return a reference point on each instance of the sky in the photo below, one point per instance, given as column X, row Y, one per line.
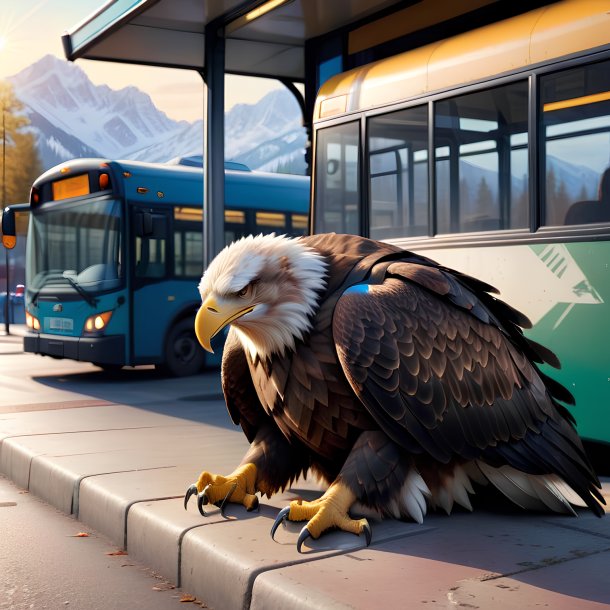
column 31, row 29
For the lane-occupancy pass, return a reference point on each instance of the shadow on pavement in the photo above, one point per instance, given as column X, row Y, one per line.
column 198, row 398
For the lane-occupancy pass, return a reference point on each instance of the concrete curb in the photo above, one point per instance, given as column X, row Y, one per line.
column 122, row 471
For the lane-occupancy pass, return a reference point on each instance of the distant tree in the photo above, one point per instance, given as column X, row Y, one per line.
column 520, row 206
column 562, row 201
column 485, row 199
column 553, row 216
column 464, row 194
column 294, row 165
column 583, row 193
column 17, row 148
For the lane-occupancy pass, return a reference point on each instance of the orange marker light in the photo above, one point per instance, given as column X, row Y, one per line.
column 9, row 241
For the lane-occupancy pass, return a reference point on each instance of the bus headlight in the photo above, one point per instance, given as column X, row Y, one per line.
column 32, row 322
column 96, row 323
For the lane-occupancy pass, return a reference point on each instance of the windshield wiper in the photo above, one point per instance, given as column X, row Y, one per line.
column 50, row 275
column 91, row 300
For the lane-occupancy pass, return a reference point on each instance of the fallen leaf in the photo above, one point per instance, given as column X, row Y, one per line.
column 116, row 553
column 81, row 535
column 164, row 587
column 187, row 598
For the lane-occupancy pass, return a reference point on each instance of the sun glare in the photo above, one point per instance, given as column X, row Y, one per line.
column 2, row 43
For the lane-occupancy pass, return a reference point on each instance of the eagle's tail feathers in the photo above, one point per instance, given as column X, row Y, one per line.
column 462, row 487
column 413, row 497
column 532, row 492
column 568, row 493
column 454, row 489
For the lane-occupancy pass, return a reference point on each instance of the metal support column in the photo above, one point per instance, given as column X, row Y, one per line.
column 214, row 145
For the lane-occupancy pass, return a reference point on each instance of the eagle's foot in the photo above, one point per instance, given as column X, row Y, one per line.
column 238, row 487
column 327, row 512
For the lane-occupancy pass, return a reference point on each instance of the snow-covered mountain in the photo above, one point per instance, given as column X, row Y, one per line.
column 71, row 117
column 268, row 134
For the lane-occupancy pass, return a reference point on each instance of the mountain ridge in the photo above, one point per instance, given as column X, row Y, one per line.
column 72, row 117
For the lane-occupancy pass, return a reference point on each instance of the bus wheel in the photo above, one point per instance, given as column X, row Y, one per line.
column 183, row 354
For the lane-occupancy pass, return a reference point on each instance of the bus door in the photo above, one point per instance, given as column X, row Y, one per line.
column 150, row 311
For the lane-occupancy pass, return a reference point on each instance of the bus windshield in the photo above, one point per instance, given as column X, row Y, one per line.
column 75, row 247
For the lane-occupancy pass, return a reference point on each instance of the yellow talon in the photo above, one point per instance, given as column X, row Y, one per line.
column 238, row 487
column 327, row 512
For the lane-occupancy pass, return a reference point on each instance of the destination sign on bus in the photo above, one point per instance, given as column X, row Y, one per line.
column 75, row 186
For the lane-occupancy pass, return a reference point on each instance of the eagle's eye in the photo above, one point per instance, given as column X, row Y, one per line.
column 247, row 290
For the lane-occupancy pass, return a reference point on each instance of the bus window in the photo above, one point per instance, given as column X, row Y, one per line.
column 575, row 113
column 398, row 173
column 299, row 224
column 481, row 152
column 80, row 240
column 270, row 222
column 151, row 250
column 188, row 242
column 236, row 225
column 337, row 184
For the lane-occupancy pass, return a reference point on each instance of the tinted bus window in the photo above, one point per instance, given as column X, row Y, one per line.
column 398, row 173
column 151, row 250
column 337, row 184
column 188, row 242
column 575, row 110
column 80, row 239
column 269, row 222
column 236, row 225
column 299, row 223
column 481, row 152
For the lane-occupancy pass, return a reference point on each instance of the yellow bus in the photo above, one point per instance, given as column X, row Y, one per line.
column 489, row 152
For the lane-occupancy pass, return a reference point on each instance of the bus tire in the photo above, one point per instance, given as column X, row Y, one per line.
column 183, row 354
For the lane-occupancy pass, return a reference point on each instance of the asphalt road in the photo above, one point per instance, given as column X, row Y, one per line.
column 45, row 564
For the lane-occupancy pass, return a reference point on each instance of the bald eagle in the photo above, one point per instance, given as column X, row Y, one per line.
column 398, row 381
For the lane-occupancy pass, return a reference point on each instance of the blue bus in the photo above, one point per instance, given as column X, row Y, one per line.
column 114, row 256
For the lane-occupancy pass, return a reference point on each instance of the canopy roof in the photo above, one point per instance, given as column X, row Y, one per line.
column 263, row 37
column 171, row 32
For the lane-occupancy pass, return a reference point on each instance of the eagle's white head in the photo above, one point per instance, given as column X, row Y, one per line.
column 267, row 287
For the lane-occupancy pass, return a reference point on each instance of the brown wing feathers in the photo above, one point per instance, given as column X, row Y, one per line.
column 464, row 386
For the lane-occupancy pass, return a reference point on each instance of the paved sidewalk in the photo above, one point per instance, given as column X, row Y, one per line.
column 122, row 470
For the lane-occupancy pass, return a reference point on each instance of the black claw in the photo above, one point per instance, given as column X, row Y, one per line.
column 191, row 491
column 368, row 534
column 281, row 517
column 305, row 533
column 255, row 505
column 226, row 499
column 202, row 499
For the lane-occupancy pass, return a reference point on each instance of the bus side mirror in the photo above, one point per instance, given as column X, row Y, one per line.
column 143, row 224
column 9, row 234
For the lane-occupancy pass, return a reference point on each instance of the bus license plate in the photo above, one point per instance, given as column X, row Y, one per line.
column 60, row 324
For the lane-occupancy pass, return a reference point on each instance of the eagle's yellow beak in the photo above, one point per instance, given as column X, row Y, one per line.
column 213, row 316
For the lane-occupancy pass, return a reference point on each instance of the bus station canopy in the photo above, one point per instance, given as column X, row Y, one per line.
column 262, row 38
column 172, row 32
